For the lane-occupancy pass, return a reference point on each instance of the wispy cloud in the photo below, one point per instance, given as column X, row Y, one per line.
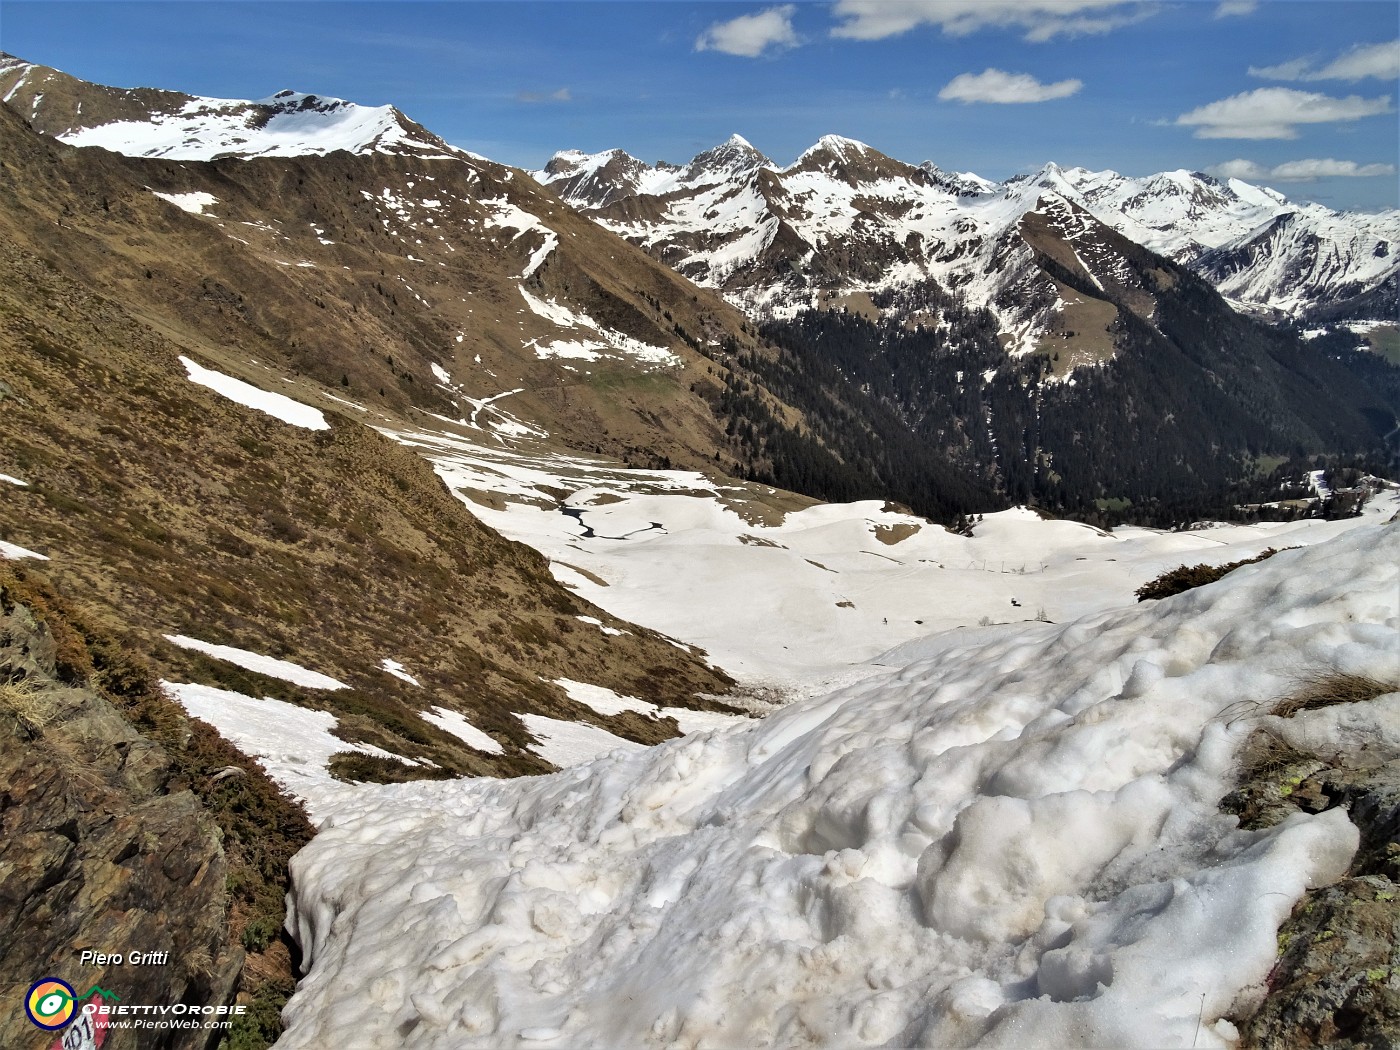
column 749, row 36
column 1236, row 8
column 1274, row 113
column 995, row 85
column 1041, row 19
column 1381, row 61
column 1300, row 170
column 562, row 95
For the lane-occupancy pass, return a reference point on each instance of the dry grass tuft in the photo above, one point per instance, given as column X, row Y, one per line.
column 1329, row 689
column 30, row 705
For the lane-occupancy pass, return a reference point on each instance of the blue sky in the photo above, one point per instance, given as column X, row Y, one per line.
column 1298, row 94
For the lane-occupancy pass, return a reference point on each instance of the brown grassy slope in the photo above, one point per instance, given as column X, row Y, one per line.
column 194, row 515
column 389, row 297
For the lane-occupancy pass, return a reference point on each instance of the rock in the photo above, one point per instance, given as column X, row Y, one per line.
column 96, row 853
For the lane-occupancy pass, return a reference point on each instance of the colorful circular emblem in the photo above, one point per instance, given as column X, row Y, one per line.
column 50, row 1003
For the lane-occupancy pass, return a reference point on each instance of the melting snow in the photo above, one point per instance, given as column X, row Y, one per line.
column 268, row 665
column 6, row 478
column 194, row 202
column 572, row 743
column 604, row 701
column 294, row 744
column 1013, row 840
column 396, row 669
column 10, row 550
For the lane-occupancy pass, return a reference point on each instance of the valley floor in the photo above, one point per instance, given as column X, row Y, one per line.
column 794, row 599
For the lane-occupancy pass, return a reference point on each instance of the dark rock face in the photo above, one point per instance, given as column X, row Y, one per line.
column 95, row 854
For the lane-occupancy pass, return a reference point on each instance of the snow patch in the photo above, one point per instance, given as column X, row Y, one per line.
column 194, row 202
column 268, row 665
column 396, row 669
column 294, row 744
column 567, row 744
column 458, row 726
column 279, row 406
column 15, row 552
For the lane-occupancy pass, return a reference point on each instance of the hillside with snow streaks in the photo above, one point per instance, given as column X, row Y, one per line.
column 1014, row 840
column 844, row 218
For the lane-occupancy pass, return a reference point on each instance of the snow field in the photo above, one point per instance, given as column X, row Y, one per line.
column 791, row 630
column 298, row 125
column 1013, row 842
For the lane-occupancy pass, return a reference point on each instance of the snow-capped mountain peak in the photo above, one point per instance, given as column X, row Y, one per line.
column 734, row 158
column 845, row 218
column 144, row 122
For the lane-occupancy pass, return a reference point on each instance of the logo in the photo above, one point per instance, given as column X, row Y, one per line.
column 50, row 1003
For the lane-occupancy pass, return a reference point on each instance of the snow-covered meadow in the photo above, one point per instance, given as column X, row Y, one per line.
column 807, row 602
column 1013, row 839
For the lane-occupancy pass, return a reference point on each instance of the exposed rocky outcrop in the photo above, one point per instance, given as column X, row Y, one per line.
column 97, row 852
column 1337, row 980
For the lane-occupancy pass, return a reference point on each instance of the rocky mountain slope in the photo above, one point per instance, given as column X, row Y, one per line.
column 845, row 220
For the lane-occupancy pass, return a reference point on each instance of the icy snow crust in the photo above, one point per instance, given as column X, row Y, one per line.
column 1012, row 841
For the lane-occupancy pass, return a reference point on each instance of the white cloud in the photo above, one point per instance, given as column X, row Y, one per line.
column 1239, row 169
column 751, row 35
column 1273, row 113
column 1300, row 170
column 1236, row 8
column 1293, row 69
column 1041, row 19
column 1381, row 61
column 1327, row 168
column 994, row 85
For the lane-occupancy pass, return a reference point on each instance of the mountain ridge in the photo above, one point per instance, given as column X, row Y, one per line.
column 1191, row 217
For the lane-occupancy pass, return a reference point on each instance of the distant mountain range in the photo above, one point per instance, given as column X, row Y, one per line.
column 1003, row 341
column 844, row 220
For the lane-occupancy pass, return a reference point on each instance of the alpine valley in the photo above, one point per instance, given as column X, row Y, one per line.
column 747, row 555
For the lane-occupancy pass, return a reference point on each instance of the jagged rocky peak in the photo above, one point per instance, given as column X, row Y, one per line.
column 289, row 101
column 731, row 159
column 958, row 183
column 593, row 179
